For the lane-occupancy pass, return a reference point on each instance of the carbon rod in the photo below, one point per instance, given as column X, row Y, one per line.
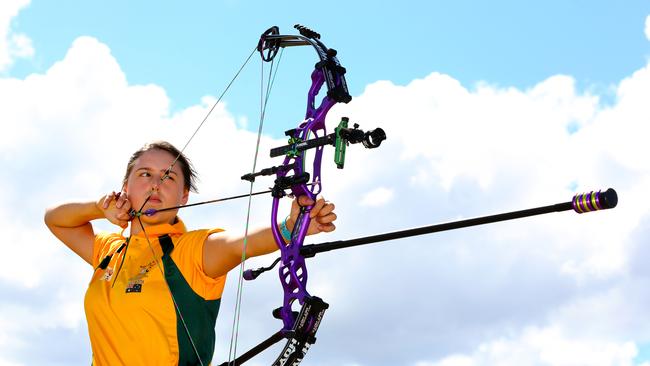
column 601, row 200
column 275, row 338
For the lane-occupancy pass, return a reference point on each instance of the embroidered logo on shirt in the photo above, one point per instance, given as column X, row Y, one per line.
column 136, row 282
column 134, row 286
column 108, row 273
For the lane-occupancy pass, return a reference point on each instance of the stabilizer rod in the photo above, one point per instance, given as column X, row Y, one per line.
column 581, row 203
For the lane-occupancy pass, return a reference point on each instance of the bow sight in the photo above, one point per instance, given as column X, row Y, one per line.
column 340, row 139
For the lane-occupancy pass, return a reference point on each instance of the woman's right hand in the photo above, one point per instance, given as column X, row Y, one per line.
column 116, row 208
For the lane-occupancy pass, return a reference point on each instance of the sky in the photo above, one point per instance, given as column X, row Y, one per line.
column 488, row 107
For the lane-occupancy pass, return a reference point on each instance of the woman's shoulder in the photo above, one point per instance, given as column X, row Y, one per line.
column 194, row 237
column 108, row 239
column 199, row 233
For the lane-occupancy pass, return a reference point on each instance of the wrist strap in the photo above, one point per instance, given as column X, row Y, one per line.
column 284, row 230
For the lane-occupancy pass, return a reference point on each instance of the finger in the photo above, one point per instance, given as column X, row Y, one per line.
column 304, row 201
column 328, row 228
column 326, row 219
column 126, row 206
column 107, row 200
column 326, row 210
column 120, row 199
column 317, row 207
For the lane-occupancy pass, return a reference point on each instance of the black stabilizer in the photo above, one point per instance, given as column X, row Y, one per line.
column 609, row 198
column 275, row 338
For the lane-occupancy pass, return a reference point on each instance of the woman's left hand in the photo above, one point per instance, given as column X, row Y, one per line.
column 322, row 215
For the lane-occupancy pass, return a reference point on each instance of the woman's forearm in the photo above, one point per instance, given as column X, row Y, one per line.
column 261, row 242
column 74, row 214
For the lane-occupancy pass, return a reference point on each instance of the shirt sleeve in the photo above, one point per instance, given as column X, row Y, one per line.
column 101, row 247
column 188, row 256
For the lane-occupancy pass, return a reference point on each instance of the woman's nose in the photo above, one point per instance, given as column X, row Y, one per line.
column 155, row 186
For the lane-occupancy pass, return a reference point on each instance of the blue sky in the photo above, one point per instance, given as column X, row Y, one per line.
column 192, row 48
column 488, row 107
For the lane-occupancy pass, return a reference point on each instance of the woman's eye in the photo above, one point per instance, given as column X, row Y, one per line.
column 145, row 174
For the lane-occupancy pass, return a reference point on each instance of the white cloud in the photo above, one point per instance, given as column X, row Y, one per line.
column 647, row 27
column 12, row 45
column 548, row 346
column 377, row 197
column 486, row 150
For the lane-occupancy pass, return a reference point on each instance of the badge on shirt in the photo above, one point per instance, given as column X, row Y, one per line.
column 134, row 286
column 108, row 274
column 136, row 282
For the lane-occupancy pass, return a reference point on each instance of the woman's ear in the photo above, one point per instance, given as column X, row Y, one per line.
column 186, row 196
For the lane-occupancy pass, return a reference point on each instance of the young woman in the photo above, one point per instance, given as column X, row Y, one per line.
column 151, row 289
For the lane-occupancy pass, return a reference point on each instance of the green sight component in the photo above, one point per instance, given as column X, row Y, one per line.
column 341, row 143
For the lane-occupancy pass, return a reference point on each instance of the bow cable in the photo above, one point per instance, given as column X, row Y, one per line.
column 214, row 105
column 264, row 98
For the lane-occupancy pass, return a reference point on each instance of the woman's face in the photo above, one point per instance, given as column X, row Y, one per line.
column 146, row 180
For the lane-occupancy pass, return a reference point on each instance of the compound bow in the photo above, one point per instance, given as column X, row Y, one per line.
column 300, row 327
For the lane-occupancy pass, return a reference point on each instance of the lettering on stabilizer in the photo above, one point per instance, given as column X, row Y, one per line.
column 303, row 319
column 305, row 348
column 290, row 349
column 319, row 318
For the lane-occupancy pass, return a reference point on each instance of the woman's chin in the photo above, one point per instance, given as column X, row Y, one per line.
column 156, row 219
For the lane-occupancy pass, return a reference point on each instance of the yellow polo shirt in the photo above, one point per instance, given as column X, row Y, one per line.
column 131, row 316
